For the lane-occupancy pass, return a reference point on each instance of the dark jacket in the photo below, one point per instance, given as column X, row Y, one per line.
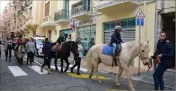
column 116, row 38
column 47, row 49
column 166, row 49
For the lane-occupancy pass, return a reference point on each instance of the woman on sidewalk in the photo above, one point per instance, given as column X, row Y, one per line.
column 47, row 55
column 164, row 53
column 31, row 50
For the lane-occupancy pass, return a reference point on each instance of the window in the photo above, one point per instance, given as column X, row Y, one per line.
column 131, row 23
column 87, row 35
column 127, row 24
column 47, row 6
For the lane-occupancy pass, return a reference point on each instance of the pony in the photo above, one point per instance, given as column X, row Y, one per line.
column 63, row 52
column 129, row 51
column 19, row 53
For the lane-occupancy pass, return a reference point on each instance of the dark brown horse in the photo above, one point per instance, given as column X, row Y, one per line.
column 62, row 51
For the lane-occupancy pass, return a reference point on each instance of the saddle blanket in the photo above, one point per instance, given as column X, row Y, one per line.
column 107, row 50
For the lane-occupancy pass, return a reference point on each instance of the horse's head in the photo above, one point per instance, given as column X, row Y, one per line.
column 74, row 48
column 144, row 53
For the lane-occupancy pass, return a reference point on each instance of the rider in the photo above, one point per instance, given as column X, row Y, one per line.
column 116, row 38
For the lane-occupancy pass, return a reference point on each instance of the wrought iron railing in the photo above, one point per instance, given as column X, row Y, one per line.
column 78, row 8
column 61, row 15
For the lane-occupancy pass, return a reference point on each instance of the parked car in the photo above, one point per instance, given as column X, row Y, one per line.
column 39, row 45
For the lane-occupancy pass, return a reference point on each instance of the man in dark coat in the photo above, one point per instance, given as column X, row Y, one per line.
column 164, row 54
column 47, row 55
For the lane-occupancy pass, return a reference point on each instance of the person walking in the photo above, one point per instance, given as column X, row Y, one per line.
column 47, row 55
column 31, row 50
column 164, row 54
column 8, row 48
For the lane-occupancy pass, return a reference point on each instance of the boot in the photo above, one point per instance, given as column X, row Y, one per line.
column 49, row 70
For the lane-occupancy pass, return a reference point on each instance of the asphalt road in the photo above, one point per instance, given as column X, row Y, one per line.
column 29, row 78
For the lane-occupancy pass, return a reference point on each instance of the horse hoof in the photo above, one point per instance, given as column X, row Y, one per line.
column 118, row 84
column 78, row 74
column 90, row 77
column 100, row 81
column 132, row 89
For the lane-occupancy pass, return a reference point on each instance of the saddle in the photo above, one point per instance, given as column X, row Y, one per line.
column 56, row 47
column 108, row 50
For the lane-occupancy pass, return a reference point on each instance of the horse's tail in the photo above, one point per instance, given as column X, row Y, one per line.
column 89, row 60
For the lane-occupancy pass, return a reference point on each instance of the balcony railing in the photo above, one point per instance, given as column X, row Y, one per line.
column 48, row 19
column 78, row 8
column 61, row 15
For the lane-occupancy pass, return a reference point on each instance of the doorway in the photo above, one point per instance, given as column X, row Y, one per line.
column 169, row 28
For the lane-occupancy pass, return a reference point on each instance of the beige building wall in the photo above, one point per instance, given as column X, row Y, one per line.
column 147, row 31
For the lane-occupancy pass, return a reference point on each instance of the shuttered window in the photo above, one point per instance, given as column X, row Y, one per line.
column 47, row 5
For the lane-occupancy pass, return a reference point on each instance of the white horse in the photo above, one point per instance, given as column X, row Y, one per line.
column 130, row 50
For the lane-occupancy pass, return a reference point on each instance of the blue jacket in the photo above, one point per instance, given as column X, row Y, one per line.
column 47, row 49
column 166, row 49
column 116, row 38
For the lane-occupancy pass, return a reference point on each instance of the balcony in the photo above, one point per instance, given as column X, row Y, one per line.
column 116, row 5
column 61, row 16
column 80, row 11
column 48, row 21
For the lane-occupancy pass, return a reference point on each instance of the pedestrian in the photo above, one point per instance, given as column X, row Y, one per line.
column 47, row 55
column 31, row 50
column 164, row 54
column 8, row 48
column 80, row 47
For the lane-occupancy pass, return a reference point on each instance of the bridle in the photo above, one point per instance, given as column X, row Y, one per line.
column 144, row 58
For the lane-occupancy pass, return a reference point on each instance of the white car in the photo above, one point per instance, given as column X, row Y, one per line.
column 39, row 45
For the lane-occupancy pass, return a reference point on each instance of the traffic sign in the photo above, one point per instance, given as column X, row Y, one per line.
column 140, row 14
column 140, row 21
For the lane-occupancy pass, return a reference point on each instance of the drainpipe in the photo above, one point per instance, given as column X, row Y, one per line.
column 157, row 13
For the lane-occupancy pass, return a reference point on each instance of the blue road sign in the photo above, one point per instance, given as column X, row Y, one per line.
column 140, row 21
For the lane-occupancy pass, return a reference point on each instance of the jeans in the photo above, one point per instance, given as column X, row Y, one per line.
column 158, row 77
column 47, row 61
column 114, row 49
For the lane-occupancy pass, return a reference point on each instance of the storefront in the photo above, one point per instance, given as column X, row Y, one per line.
column 87, row 35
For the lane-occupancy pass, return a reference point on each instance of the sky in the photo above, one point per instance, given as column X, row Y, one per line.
column 3, row 3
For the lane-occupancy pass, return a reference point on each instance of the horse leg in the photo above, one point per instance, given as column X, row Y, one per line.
column 119, row 73
column 96, row 63
column 73, row 67
column 62, row 65
column 128, row 74
column 78, row 62
column 91, row 72
column 55, row 63
column 66, row 60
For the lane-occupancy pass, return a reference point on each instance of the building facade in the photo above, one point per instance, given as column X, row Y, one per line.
column 94, row 20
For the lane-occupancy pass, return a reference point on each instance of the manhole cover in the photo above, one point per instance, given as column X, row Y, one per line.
column 77, row 88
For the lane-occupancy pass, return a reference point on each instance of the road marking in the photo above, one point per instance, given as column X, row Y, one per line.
column 38, row 69
column 86, row 76
column 17, row 71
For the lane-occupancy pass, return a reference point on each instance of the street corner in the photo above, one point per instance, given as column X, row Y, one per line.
column 86, row 76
